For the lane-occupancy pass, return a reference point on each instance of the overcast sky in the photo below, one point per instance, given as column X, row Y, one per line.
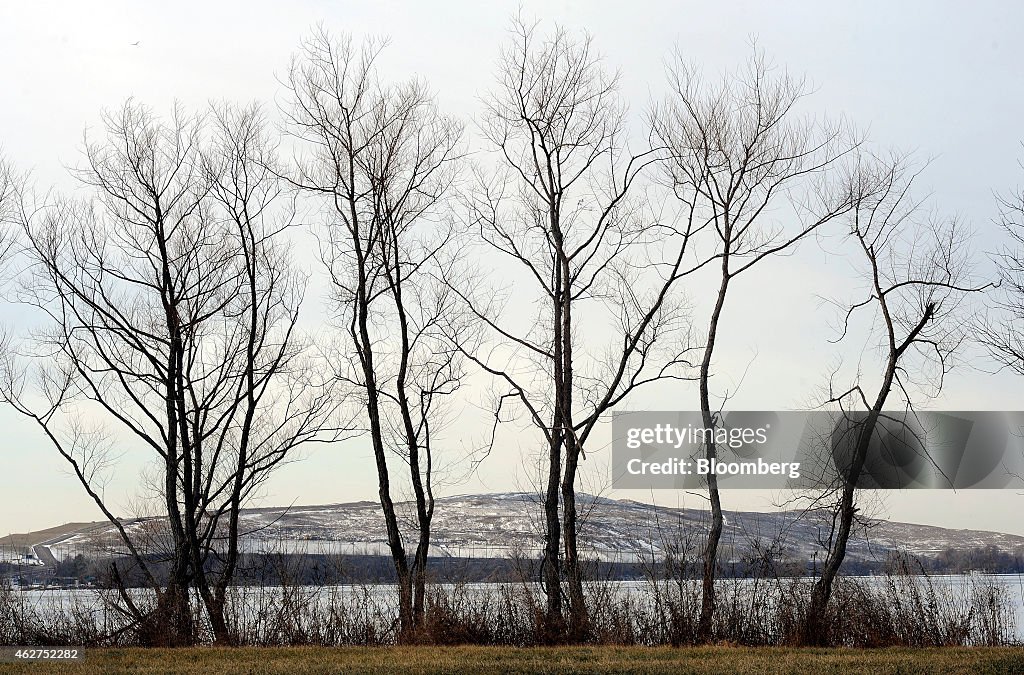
column 940, row 78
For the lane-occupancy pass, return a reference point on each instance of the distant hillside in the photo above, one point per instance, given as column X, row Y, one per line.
column 499, row 525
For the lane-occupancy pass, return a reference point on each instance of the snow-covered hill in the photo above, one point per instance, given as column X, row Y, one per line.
column 500, row 525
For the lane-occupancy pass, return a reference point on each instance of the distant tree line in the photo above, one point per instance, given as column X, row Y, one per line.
column 268, row 570
column 989, row 559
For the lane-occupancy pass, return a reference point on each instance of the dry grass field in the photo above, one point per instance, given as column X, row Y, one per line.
column 702, row 660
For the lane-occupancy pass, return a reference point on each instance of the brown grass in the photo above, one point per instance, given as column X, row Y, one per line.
column 718, row 659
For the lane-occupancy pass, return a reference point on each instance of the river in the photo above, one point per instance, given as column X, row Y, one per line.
column 376, row 601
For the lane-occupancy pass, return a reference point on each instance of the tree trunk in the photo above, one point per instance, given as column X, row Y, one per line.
column 215, row 609
column 578, row 620
column 814, row 629
column 172, row 625
column 707, row 605
column 419, row 580
column 550, row 569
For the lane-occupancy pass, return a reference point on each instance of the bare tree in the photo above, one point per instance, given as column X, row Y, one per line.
column 565, row 206
column 170, row 311
column 380, row 160
column 917, row 268
column 742, row 162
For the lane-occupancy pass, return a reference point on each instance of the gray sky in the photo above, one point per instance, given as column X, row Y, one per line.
column 940, row 78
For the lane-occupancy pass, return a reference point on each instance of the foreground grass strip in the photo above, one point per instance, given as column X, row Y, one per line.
column 255, row 661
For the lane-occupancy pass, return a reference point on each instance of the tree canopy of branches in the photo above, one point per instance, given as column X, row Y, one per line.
column 169, row 309
column 743, row 161
column 565, row 206
column 1002, row 334
column 10, row 184
column 379, row 160
column 917, row 269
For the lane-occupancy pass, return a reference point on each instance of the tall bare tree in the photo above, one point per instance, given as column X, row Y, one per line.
column 380, row 160
column 751, row 169
column 917, row 269
column 169, row 311
column 565, row 206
